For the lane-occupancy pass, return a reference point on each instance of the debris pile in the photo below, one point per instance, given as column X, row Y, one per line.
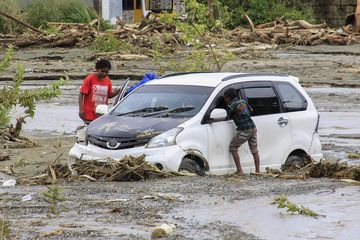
column 330, row 169
column 67, row 35
column 144, row 35
column 334, row 170
column 298, row 32
column 128, row 169
column 148, row 31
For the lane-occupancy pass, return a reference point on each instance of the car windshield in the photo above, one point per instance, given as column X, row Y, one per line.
column 171, row 101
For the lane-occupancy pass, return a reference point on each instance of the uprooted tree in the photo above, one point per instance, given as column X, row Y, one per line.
column 12, row 95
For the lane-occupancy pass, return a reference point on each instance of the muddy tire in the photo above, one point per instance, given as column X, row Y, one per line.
column 191, row 166
column 293, row 162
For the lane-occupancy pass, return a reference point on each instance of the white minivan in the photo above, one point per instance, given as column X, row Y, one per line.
column 179, row 122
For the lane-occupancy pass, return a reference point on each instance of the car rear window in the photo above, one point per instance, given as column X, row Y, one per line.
column 291, row 98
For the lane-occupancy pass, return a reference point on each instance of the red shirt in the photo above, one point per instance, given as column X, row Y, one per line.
column 96, row 92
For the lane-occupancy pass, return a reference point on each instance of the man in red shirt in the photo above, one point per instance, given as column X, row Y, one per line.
column 95, row 90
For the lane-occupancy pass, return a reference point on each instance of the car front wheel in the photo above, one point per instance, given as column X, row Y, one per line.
column 191, row 166
column 293, row 162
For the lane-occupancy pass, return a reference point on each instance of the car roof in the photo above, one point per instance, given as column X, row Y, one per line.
column 206, row 79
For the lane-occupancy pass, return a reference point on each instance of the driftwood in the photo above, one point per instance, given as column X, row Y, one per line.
column 22, row 23
column 67, row 41
column 251, row 24
column 304, row 24
column 145, row 20
column 298, row 32
column 270, row 24
column 4, row 157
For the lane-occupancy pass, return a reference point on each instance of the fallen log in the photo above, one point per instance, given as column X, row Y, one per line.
column 66, row 41
column 336, row 40
column 317, row 36
column 271, row 24
column 305, row 24
column 22, row 23
column 145, row 20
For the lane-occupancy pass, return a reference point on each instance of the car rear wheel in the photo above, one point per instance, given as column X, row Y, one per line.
column 191, row 166
column 293, row 162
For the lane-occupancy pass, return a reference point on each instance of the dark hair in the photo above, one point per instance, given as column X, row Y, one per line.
column 103, row 63
column 231, row 93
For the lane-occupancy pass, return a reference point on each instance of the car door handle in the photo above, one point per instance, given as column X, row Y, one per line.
column 283, row 121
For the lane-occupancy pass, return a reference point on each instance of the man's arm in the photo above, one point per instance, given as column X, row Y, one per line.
column 81, row 104
column 114, row 93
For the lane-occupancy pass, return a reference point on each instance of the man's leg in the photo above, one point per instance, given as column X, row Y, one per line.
column 238, row 140
column 253, row 147
column 257, row 162
column 237, row 162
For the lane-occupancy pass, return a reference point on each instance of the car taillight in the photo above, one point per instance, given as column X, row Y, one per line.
column 317, row 124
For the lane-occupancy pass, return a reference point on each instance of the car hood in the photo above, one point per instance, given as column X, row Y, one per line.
column 129, row 127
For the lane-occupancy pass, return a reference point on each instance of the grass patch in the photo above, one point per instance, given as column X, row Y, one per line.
column 39, row 12
column 110, row 43
column 4, row 229
column 11, row 7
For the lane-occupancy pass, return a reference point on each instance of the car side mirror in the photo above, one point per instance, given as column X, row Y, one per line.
column 102, row 109
column 218, row 114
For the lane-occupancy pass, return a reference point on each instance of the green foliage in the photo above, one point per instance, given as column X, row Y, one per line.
column 5, row 62
column 198, row 17
column 39, row 12
column 106, row 43
column 199, row 60
column 353, row 155
column 110, row 43
column 21, row 162
column 11, row 7
column 4, row 229
column 11, row 95
column 284, row 202
column 261, row 11
column 53, row 197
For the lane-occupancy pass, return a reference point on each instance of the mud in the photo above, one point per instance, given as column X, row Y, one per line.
column 201, row 207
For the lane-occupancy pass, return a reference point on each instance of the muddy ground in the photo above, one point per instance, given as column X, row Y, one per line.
column 201, row 207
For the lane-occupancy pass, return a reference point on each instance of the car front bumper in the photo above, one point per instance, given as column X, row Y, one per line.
column 168, row 157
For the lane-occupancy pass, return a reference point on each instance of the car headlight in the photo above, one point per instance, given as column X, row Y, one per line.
column 81, row 136
column 165, row 139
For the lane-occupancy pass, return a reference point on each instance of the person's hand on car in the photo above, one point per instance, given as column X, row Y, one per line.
column 81, row 114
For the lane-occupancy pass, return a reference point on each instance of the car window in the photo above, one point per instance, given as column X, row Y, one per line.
column 291, row 98
column 172, row 101
column 263, row 100
column 219, row 101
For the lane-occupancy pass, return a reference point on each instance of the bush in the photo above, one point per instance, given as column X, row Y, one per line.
column 110, row 43
column 262, row 11
column 11, row 95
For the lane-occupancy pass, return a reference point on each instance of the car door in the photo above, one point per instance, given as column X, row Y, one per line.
column 303, row 122
column 274, row 131
column 220, row 135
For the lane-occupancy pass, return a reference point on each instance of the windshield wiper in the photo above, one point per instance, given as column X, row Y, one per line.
column 181, row 109
column 167, row 112
column 147, row 109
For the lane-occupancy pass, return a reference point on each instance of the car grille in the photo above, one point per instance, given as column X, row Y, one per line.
column 124, row 142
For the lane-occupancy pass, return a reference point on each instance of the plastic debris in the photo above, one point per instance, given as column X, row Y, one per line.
column 27, row 197
column 9, row 183
column 162, row 231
